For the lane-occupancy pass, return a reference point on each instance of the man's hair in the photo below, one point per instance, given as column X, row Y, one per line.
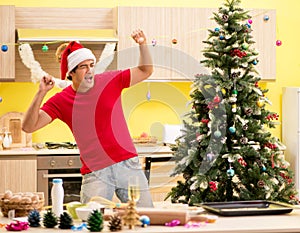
column 58, row 54
column 74, row 70
column 59, row 51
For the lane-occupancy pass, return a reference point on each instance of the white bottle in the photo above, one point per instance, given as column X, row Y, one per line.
column 57, row 196
column 6, row 140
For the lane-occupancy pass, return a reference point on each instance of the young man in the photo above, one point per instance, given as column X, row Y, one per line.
column 91, row 107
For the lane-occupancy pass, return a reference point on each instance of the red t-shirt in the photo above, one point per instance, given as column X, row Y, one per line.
column 96, row 119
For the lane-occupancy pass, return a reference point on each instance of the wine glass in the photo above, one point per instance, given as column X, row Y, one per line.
column 133, row 188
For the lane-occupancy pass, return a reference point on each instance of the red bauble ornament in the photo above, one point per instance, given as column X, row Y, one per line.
column 217, row 99
column 205, row 121
column 278, row 42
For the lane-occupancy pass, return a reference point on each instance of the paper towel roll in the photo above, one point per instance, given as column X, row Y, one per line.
column 171, row 133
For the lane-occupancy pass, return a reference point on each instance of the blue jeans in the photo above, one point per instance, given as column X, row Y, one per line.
column 114, row 179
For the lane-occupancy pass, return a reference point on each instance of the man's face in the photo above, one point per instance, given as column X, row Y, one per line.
column 83, row 77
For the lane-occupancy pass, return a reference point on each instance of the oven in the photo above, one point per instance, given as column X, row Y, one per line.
column 66, row 167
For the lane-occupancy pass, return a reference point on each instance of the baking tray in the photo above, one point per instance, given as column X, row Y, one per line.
column 242, row 208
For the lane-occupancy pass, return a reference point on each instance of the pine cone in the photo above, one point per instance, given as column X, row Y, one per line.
column 34, row 218
column 49, row 220
column 95, row 221
column 65, row 221
column 115, row 223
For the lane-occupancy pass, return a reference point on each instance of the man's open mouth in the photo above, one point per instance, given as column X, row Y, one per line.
column 88, row 78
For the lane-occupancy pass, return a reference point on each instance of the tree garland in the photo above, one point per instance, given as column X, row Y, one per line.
column 37, row 73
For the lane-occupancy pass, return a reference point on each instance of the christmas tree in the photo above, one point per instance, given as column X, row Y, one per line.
column 131, row 217
column 226, row 152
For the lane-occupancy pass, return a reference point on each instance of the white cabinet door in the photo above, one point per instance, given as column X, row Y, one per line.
column 290, row 128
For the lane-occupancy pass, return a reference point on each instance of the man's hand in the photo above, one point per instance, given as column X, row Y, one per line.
column 47, row 83
column 138, row 36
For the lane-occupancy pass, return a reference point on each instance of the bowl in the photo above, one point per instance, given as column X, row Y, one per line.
column 71, row 208
column 84, row 211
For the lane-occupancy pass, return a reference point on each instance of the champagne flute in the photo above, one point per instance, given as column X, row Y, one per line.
column 133, row 188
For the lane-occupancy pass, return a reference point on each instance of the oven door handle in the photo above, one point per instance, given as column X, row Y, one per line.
column 62, row 175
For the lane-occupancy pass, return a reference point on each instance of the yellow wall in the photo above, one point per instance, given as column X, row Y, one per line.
column 167, row 104
column 143, row 115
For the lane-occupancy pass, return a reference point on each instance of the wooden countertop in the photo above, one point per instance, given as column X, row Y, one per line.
column 288, row 223
column 143, row 151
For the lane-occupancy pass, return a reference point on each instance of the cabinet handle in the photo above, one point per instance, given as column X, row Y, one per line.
column 70, row 162
column 52, row 163
column 61, row 175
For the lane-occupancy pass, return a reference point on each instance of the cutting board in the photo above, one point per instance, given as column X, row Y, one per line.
column 12, row 122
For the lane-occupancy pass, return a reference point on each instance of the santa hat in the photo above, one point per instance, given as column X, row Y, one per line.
column 73, row 54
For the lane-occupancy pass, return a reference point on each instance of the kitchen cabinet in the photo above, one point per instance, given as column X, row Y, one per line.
column 188, row 27
column 155, row 22
column 173, row 61
column 291, row 129
column 18, row 173
column 7, row 38
column 163, row 26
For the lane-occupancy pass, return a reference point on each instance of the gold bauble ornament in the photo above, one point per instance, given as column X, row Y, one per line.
column 234, row 108
column 260, row 103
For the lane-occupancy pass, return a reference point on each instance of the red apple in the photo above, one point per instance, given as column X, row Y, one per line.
column 144, row 135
